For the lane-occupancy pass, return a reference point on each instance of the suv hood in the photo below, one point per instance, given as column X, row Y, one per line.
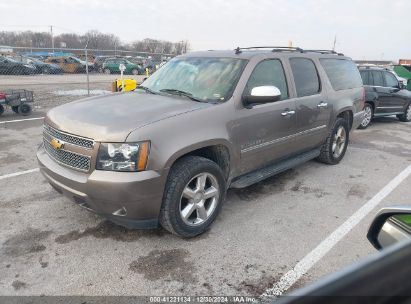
column 112, row 117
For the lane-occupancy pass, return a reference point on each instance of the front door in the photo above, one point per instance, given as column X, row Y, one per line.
column 264, row 133
column 395, row 101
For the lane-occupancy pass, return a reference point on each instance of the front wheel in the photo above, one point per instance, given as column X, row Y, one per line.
column 406, row 117
column 134, row 71
column 335, row 146
column 107, row 71
column 193, row 196
column 368, row 114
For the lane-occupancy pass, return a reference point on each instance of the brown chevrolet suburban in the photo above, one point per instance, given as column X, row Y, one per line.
column 205, row 122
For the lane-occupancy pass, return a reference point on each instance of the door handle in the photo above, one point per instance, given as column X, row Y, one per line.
column 287, row 113
column 322, row 104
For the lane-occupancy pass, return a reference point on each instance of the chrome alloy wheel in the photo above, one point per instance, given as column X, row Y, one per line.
column 408, row 112
column 339, row 142
column 199, row 199
column 367, row 117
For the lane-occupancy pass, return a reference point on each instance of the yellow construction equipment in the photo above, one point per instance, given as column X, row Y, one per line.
column 129, row 85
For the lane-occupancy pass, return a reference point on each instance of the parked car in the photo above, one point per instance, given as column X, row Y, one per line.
column 384, row 95
column 382, row 278
column 98, row 62
column 41, row 67
column 205, row 122
column 10, row 66
column 70, row 64
column 112, row 66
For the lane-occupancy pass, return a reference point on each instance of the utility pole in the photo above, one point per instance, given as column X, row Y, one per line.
column 335, row 42
column 52, row 38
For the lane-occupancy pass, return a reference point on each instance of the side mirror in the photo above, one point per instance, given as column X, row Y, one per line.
column 390, row 226
column 262, row 94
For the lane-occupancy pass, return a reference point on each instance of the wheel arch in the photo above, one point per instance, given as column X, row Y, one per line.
column 217, row 151
column 347, row 114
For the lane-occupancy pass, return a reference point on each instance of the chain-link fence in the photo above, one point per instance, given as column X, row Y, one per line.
column 41, row 78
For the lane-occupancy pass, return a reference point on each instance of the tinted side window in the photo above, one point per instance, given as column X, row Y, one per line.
column 305, row 77
column 268, row 73
column 342, row 73
column 378, row 80
column 390, row 80
column 365, row 75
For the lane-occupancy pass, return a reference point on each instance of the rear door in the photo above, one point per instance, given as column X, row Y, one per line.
column 313, row 110
column 384, row 105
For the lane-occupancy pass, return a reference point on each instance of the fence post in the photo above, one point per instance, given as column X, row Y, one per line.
column 88, row 80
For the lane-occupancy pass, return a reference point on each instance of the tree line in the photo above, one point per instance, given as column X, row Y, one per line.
column 94, row 40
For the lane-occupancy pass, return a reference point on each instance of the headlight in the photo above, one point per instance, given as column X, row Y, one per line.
column 130, row 157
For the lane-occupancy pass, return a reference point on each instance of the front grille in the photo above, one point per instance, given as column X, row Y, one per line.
column 66, row 158
column 68, row 138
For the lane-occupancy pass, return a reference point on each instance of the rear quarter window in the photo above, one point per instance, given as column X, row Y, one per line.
column 342, row 73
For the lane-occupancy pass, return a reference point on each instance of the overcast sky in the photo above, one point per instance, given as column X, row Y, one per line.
column 377, row 29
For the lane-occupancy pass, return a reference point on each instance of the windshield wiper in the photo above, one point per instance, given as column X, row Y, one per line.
column 181, row 93
column 147, row 89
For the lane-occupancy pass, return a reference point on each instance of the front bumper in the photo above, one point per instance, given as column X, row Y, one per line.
column 131, row 199
column 357, row 119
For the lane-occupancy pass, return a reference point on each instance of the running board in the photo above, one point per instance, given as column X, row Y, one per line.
column 261, row 174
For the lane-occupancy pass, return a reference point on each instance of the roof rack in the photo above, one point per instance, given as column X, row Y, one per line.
column 287, row 49
column 272, row 48
column 325, row 52
column 364, row 66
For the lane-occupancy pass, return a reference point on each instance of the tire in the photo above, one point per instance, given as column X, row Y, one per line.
column 24, row 109
column 368, row 115
column 406, row 117
column 15, row 109
column 339, row 136
column 1, row 109
column 134, row 72
column 107, row 71
column 46, row 70
column 186, row 176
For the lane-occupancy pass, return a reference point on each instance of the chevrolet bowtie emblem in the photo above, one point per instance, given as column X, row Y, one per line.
column 57, row 144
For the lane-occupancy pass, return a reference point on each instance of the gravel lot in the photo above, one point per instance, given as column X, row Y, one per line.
column 51, row 246
column 53, row 90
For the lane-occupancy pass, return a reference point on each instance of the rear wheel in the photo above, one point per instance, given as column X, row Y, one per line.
column 406, row 117
column 134, row 71
column 335, row 146
column 368, row 114
column 193, row 196
column 1, row 109
column 24, row 109
column 107, row 71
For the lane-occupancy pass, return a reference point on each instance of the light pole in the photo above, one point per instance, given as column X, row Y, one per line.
column 52, row 38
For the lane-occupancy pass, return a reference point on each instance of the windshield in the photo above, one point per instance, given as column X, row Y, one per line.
column 208, row 79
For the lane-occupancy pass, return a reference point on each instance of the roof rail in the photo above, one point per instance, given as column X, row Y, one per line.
column 272, row 48
column 325, row 52
column 364, row 66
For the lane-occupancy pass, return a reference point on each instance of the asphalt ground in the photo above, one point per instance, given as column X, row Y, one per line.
column 50, row 246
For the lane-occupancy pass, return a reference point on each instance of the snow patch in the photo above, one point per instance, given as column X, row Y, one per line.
column 80, row 92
